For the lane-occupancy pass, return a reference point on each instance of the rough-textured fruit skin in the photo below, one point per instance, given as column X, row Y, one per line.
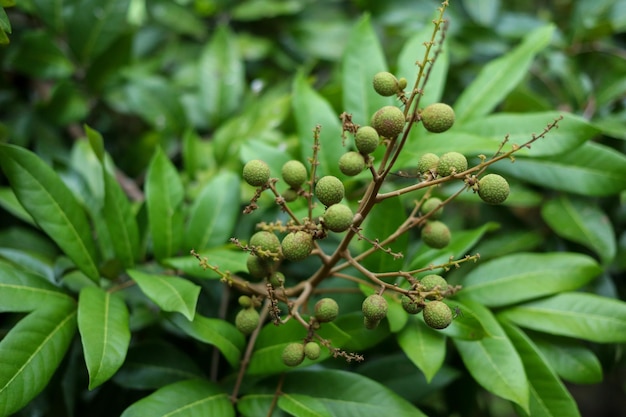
column 402, row 83
column 411, row 306
column 370, row 324
column 247, row 320
column 312, row 350
column 437, row 315
column 432, row 204
column 244, row 301
column 326, row 310
column 493, row 189
column 293, row 354
column 366, row 139
column 436, row 234
column 338, row 217
column 256, row 172
column 351, row 163
column 385, row 84
column 294, row 173
column 257, row 267
column 375, row 307
column 297, row 246
column 437, row 117
column 266, row 241
column 450, row 163
column 432, row 281
column 329, row 190
column 427, row 162
column 388, row 121
column 277, row 279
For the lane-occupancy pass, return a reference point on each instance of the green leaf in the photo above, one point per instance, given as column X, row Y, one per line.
column 465, row 324
column 96, row 142
column 49, row 11
column 170, row 293
column 233, row 260
column 311, row 110
column 425, row 347
column 360, row 338
column 216, row 332
column 29, row 261
column 500, row 76
column 363, row 59
column 10, row 203
column 581, row 221
column 254, row 405
column 55, row 209
column 482, row 12
column 493, row 361
column 299, row 405
column 548, row 396
column 164, row 196
column 195, row 397
column 31, row 352
column 38, row 56
column 579, row 315
column 524, row 276
column 104, row 332
column 214, row 213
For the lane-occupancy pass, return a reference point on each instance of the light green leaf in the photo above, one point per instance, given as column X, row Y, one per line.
column 425, row 347
column 482, row 12
column 10, row 203
column 55, row 209
column 299, row 405
column 465, row 324
column 579, row 315
column 96, row 142
column 525, row 276
column 233, row 260
column 170, row 293
column 571, row 359
column 30, row 261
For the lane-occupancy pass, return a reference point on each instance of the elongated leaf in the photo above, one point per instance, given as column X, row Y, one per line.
column 548, row 395
column 583, row 222
column 465, row 324
column 233, row 260
column 170, row 293
column 311, row 110
column 164, row 195
column 214, row 213
column 31, row 352
column 525, row 276
column 39, row 56
column 482, row 12
column 381, row 222
column 500, row 76
column 9, row 202
column 48, row 200
column 194, row 397
column 299, row 405
column 580, row 315
column 104, row 331
column 29, row 261
column 254, row 405
column 493, row 361
column 216, row 332
column 425, row 347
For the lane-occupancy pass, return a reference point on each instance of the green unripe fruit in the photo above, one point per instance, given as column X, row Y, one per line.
column 385, row 84
column 247, row 320
column 293, row 354
column 437, row 315
column 297, row 246
column 402, row 82
column 244, row 301
column 427, row 162
column 450, row 163
column 326, row 310
column 338, row 217
column 266, row 241
column 277, row 279
column 432, row 281
column 257, row 267
column 375, row 307
column 351, row 163
column 436, row 234
column 437, row 117
column 294, row 173
column 256, row 172
column 366, row 139
column 370, row 324
column 329, row 190
column 388, row 121
column 430, row 205
column 312, row 350
column 493, row 189
column 290, row 195
column 411, row 306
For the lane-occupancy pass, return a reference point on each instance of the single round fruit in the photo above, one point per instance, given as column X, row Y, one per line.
column 338, row 217
column 451, row 163
column 388, row 121
column 293, row 354
column 385, row 84
column 351, row 163
column 290, row 195
column 370, row 324
column 329, row 190
column 256, row 172
column 265, row 241
column 312, row 350
column 430, row 205
column 326, row 310
column 427, row 162
column 277, row 279
column 410, row 305
column 493, row 189
column 244, row 301
column 375, row 307
column 257, row 267
column 247, row 320
column 432, row 281
column 436, row 234
column 294, row 173
column 402, row 83
column 437, row 315
column 366, row 139
column 437, row 117
column 297, row 246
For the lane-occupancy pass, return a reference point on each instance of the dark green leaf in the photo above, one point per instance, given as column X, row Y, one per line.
column 10, row 203
column 425, row 347
column 37, row 55
column 263, row 9
column 96, row 141
column 360, row 338
column 465, row 324
column 51, row 12
column 300, row 405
